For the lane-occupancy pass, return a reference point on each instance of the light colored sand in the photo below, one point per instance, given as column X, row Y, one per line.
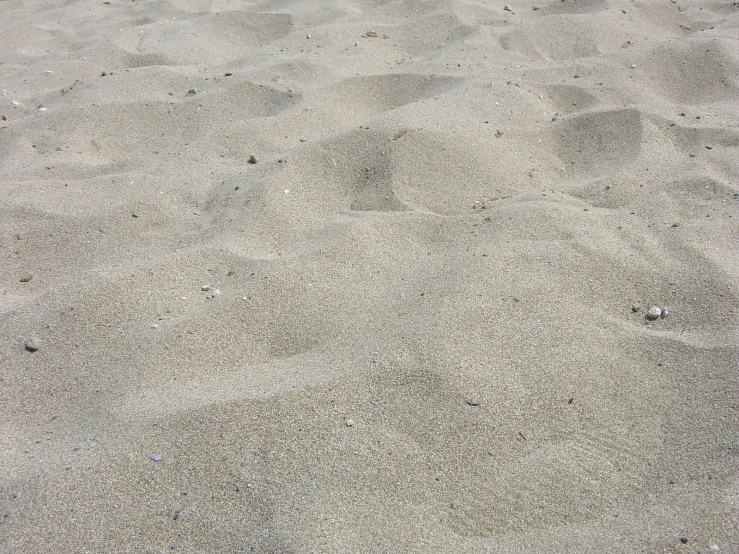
column 453, row 205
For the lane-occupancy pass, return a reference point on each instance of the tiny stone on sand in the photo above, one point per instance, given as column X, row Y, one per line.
column 155, row 457
column 33, row 344
column 654, row 313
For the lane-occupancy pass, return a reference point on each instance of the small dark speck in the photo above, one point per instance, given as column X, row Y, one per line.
column 691, row 155
column 684, row 540
column 571, row 400
column 176, row 516
column 237, row 188
column 227, row 74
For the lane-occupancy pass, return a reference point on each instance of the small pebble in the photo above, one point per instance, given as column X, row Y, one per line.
column 654, row 313
column 684, row 540
column 349, row 422
column 154, row 326
column 214, row 293
column 664, row 313
column 26, row 277
column 507, row 8
column 205, row 288
column 473, row 402
column 714, row 548
column 252, row 159
column 155, row 457
column 194, row 91
column 33, row 344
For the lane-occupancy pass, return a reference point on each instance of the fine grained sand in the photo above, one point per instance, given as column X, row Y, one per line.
column 457, row 221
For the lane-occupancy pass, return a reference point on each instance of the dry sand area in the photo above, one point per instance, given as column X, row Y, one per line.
column 369, row 276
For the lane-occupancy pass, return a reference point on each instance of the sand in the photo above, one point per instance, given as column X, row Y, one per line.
column 431, row 331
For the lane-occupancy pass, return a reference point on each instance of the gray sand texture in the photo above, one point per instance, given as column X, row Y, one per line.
column 363, row 276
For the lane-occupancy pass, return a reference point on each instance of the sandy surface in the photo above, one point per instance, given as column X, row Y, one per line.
column 430, row 334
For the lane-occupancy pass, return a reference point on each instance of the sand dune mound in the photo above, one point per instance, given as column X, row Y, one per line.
column 559, row 37
column 595, row 142
column 209, row 38
column 704, row 71
column 371, row 95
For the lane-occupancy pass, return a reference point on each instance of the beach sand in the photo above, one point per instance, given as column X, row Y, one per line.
column 430, row 233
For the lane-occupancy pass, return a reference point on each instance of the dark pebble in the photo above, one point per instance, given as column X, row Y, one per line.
column 684, row 540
